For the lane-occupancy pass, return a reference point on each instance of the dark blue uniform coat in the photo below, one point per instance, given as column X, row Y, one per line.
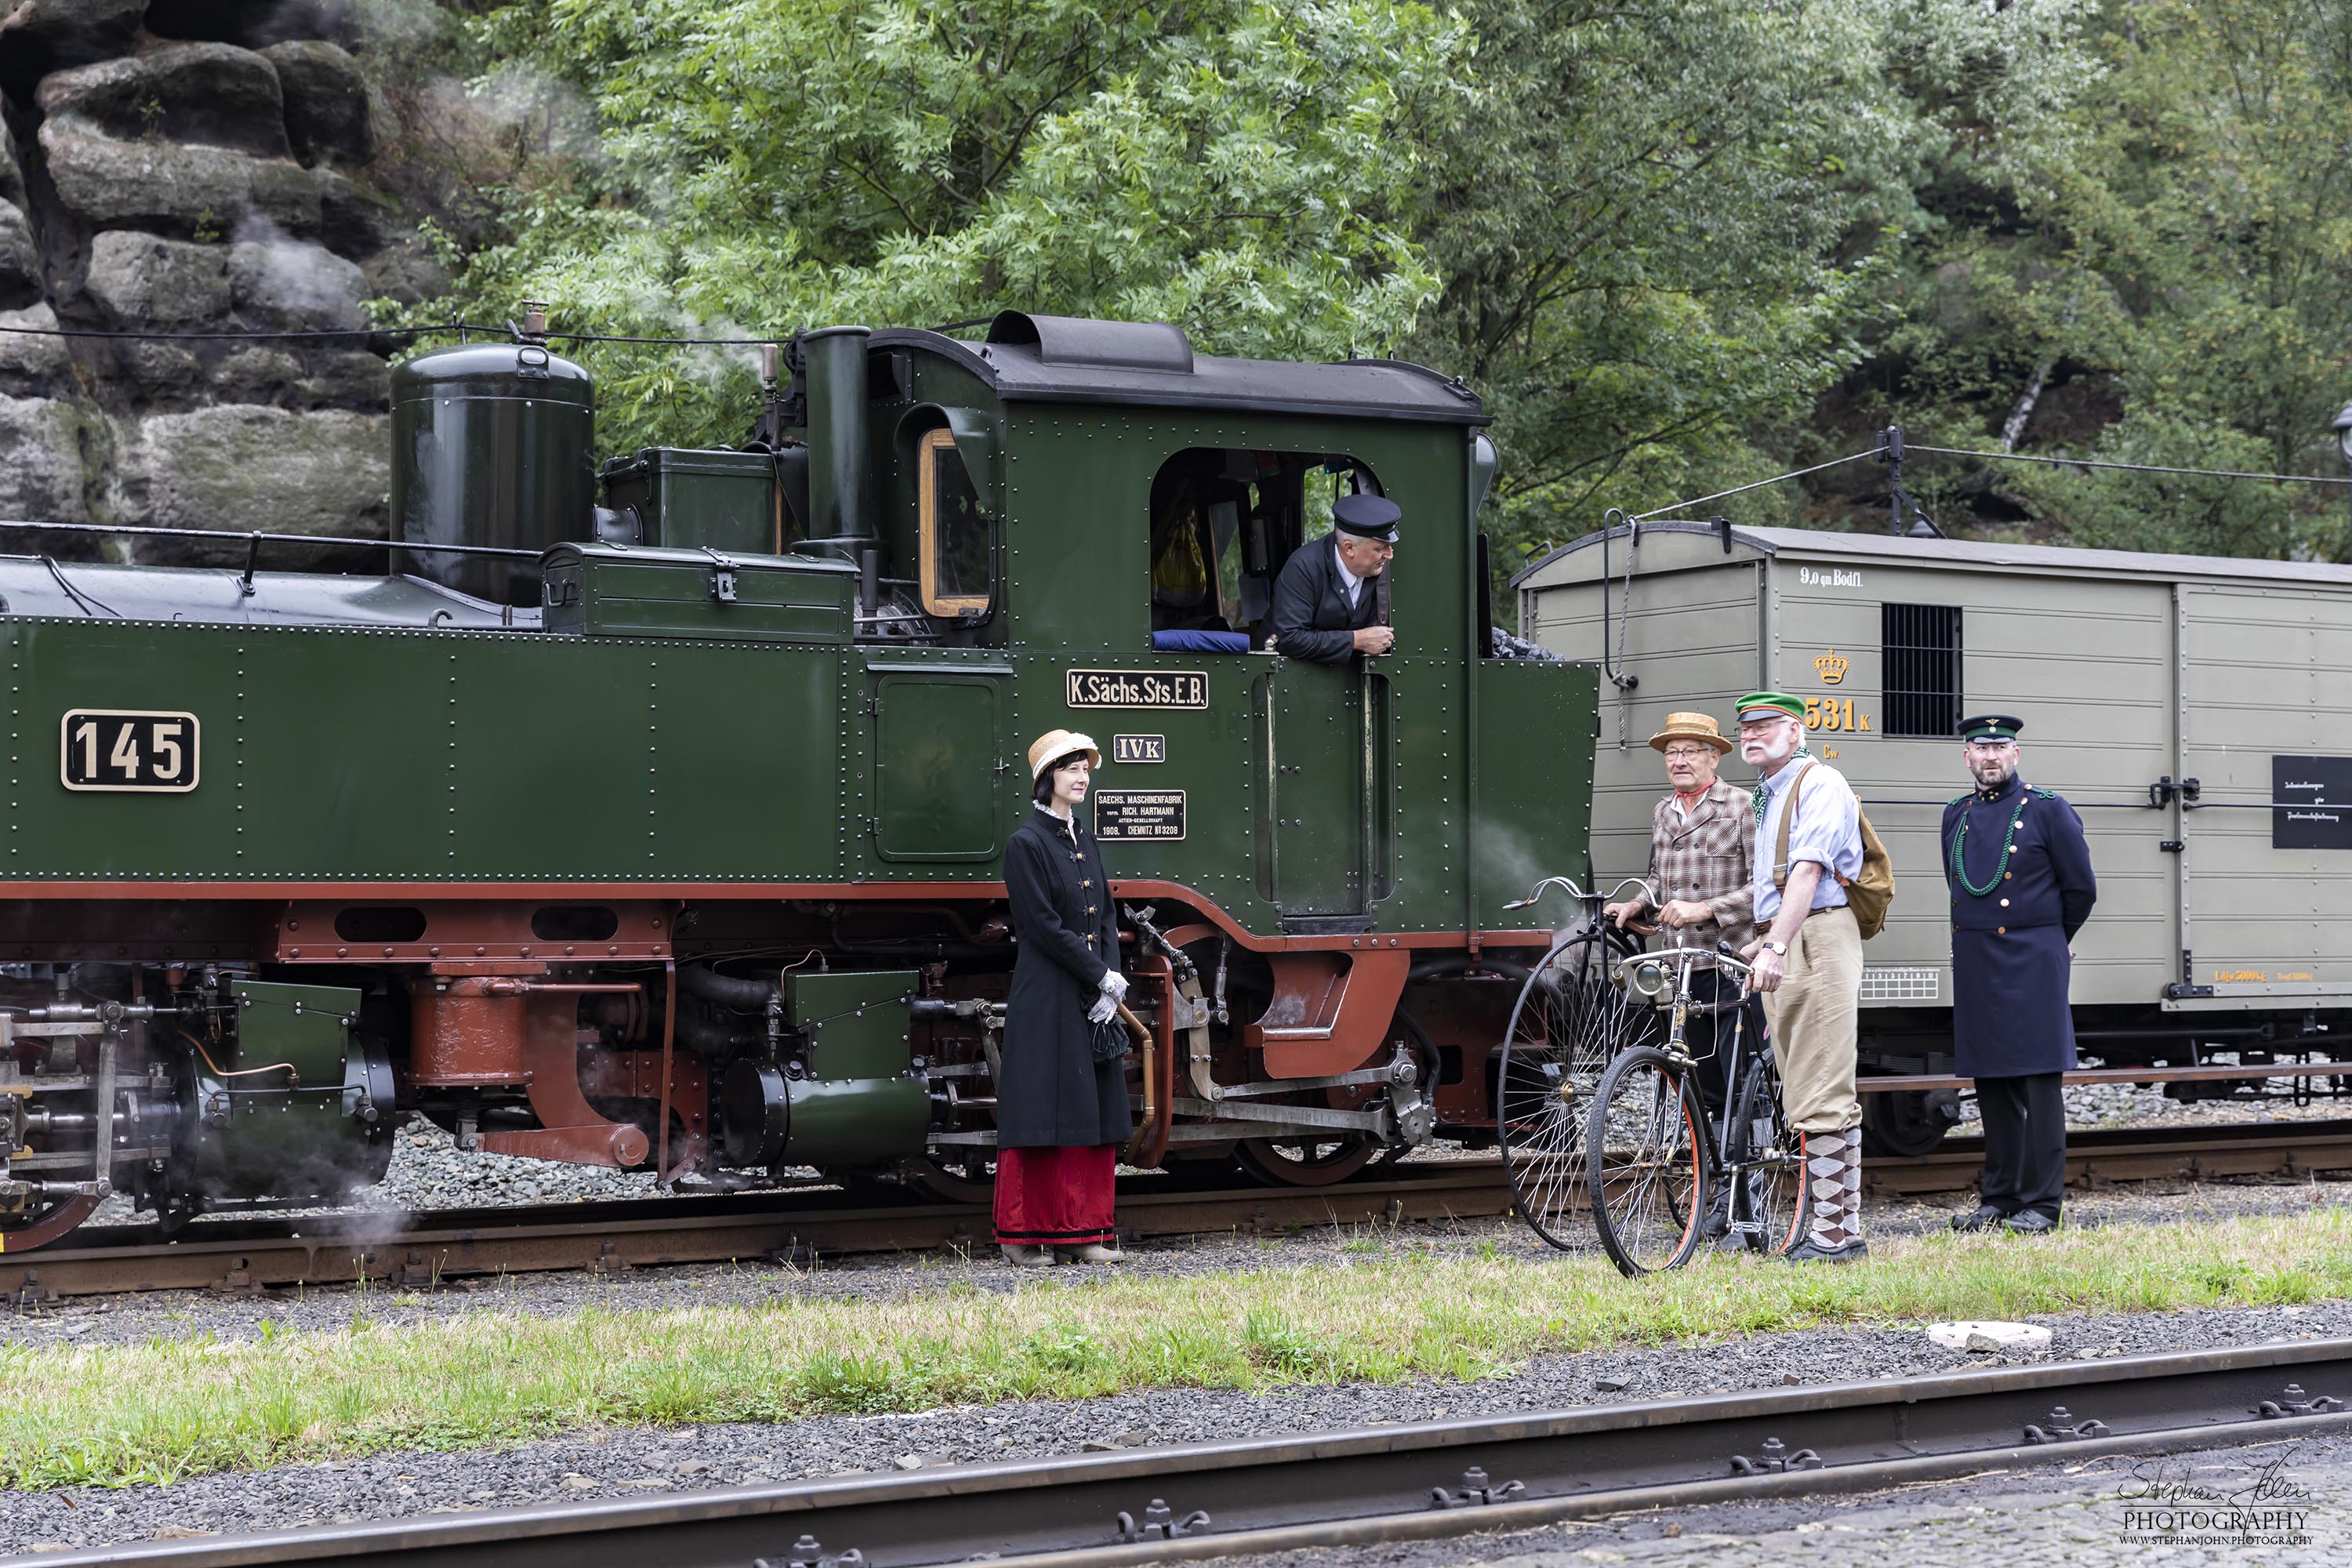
column 2009, row 962
column 1310, row 613
column 1052, row 1093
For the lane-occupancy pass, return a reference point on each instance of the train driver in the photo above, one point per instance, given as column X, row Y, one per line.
column 1331, row 600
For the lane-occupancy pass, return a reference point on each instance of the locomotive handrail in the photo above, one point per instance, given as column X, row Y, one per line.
column 147, row 530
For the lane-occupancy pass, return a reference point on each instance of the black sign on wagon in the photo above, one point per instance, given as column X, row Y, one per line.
column 1127, row 813
column 2312, row 802
column 1135, row 688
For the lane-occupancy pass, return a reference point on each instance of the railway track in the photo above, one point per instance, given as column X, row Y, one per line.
column 421, row 1250
column 1380, row 1484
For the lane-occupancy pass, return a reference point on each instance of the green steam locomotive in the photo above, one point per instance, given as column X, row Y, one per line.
column 650, row 815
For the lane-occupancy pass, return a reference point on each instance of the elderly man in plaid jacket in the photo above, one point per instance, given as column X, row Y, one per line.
column 1701, row 876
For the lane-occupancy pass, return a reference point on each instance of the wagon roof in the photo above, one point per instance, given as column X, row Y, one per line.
column 1979, row 553
column 1062, row 359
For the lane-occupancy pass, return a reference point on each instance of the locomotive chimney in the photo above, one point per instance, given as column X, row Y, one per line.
column 836, row 438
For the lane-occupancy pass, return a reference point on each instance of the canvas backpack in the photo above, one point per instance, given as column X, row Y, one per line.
column 1866, row 895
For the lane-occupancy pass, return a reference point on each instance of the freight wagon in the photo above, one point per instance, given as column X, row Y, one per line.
column 2197, row 709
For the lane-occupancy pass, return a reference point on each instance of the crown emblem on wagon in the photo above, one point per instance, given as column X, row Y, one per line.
column 1832, row 669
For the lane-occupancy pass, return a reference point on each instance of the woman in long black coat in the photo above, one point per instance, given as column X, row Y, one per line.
column 1060, row 1114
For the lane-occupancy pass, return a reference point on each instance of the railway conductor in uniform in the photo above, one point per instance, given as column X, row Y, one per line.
column 2021, row 887
column 1331, row 600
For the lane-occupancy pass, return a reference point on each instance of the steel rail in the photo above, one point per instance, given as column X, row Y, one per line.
column 1422, row 1481
column 424, row 1249
column 420, row 1250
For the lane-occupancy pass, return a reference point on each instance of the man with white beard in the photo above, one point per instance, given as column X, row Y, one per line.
column 1807, row 961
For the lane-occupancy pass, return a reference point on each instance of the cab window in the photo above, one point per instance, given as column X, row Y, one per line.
column 954, row 531
column 1223, row 522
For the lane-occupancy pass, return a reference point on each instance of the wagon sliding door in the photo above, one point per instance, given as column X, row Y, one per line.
column 2266, row 716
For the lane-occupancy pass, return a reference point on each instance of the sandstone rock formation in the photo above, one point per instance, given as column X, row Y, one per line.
column 196, row 167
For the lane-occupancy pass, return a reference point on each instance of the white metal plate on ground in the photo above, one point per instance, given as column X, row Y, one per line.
column 1988, row 1336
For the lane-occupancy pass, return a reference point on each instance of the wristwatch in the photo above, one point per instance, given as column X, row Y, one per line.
column 1781, row 948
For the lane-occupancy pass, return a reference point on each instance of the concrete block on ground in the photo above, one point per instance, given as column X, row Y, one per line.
column 1989, row 1336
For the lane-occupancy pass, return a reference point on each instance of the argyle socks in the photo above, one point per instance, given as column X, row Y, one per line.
column 1833, row 1185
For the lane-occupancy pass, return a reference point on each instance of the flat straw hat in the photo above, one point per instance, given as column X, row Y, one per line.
column 1054, row 745
column 1690, row 727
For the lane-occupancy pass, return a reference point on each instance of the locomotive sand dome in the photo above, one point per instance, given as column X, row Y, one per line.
column 693, row 863
column 491, row 445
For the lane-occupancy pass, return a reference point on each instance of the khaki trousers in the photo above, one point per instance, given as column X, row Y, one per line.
column 1812, row 1016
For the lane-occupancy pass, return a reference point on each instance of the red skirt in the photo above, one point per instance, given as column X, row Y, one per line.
column 1055, row 1197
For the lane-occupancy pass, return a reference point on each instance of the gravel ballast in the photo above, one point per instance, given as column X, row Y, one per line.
column 633, row 1461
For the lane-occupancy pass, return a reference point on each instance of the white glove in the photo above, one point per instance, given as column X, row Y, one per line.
column 1101, row 1011
column 1114, row 984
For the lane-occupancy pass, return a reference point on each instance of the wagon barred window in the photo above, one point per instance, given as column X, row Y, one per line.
column 1920, row 655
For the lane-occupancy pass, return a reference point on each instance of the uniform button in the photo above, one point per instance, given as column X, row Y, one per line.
column 2004, row 904
column 2000, row 931
column 1086, row 884
column 2005, row 875
column 1090, row 908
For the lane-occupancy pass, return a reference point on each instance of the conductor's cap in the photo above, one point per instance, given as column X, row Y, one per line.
column 1366, row 517
column 1991, row 727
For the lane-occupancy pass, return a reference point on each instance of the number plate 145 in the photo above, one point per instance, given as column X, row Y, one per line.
column 118, row 749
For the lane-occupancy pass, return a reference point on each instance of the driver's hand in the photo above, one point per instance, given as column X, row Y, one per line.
column 1375, row 639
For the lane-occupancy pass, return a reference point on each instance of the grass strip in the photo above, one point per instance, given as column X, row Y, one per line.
column 114, row 1415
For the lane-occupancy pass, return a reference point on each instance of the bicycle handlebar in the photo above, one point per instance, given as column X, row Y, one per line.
column 1568, row 884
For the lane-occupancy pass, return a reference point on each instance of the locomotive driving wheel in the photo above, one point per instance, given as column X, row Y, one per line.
column 1311, row 1157
column 41, row 1224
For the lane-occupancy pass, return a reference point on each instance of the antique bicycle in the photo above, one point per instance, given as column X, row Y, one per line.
column 1654, row 1159
column 1572, row 1017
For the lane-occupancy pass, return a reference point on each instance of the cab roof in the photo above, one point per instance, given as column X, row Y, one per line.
column 1064, row 358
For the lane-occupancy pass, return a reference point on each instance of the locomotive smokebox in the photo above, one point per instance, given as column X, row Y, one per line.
column 492, row 443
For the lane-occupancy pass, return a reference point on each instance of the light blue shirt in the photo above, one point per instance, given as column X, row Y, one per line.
column 1828, row 832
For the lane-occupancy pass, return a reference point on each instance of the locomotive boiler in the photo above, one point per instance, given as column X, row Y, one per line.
column 649, row 817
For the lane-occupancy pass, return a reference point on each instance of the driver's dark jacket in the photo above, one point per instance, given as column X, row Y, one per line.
column 1311, row 616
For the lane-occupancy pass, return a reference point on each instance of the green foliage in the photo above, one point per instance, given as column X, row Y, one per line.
column 1245, row 170
column 1678, row 248
column 2173, row 291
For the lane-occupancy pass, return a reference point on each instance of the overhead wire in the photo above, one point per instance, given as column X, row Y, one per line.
column 501, row 330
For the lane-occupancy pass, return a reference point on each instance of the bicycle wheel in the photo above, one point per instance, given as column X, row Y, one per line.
column 1645, row 1163
column 1569, row 1020
column 1774, row 1196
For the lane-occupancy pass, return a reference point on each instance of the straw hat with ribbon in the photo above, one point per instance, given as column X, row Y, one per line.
column 1690, row 727
column 1054, row 745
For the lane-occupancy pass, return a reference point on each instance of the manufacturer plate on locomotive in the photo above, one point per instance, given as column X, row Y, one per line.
column 128, row 750
column 1128, row 814
column 1139, row 748
column 1135, row 688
